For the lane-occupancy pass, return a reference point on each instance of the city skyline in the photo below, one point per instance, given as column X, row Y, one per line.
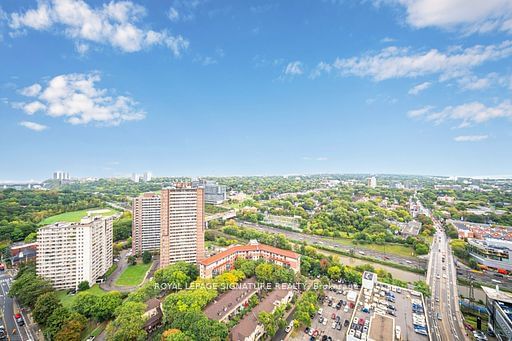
column 265, row 88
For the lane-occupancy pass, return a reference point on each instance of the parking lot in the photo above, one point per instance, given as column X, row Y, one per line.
column 331, row 321
column 398, row 307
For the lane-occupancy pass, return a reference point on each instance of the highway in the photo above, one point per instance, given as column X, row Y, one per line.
column 326, row 241
column 442, row 278
column 22, row 333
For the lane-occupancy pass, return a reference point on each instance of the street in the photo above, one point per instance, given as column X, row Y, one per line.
column 413, row 262
column 23, row 333
column 442, row 278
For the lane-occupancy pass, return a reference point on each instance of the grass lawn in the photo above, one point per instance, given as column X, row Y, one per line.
column 67, row 300
column 395, row 249
column 133, row 275
column 75, row 216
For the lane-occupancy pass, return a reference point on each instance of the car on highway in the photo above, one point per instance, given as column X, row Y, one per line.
column 3, row 334
column 479, row 335
column 19, row 319
column 289, row 327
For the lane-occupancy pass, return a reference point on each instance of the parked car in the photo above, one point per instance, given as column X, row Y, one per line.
column 19, row 319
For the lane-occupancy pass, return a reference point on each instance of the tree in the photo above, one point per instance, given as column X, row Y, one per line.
column 176, row 276
column 147, row 257
column 85, row 304
column 59, row 319
column 422, row 287
column 196, row 324
column 127, row 326
column 84, row 285
column 70, row 331
column 27, row 287
column 421, row 249
column 122, row 227
column 264, row 273
column 247, row 266
column 334, row 272
column 106, row 305
column 268, row 322
column 45, row 306
column 175, row 335
column 132, row 260
column 30, row 238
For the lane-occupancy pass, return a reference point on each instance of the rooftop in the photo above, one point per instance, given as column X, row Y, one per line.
column 249, row 247
column 249, row 323
column 497, row 295
column 225, row 303
column 382, row 328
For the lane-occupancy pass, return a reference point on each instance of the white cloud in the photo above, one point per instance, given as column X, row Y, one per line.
column 320, row 69
column 115, row 24
column 467, row 15
column 419, row 88
column 293, row 69
column 33, row 126
column 467, row 114
column 397, row 62
column 76, row 98
column 387, row 40
column 31, row 91
column 173, row 14
column 419, row 112
column 81, row 48
column 184, row 10
column 470, row 138
column 473, row 82
column 33, row 107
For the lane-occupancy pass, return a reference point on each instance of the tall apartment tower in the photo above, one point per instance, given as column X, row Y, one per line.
column 146, row 223
column 372, row 182
column 182, row 225
column 70, row 253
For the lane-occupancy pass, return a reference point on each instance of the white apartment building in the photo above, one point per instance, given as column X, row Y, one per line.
column 372, row 182
column 70, row 253
column 182, row 225
column 146, row 223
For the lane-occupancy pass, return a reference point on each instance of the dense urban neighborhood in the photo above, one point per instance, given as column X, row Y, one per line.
column 327, row 257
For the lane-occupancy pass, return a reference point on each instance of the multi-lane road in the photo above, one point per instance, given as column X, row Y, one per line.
column 14, row 332
column 445, row 319
column 326, row 241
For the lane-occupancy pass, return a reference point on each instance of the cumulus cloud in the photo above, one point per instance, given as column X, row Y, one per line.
column 293, row 69
column 419, row 88
column 76, row 98
column 470, row 138
column 470, row 16
column 31, row 91
column 115, row 24
column 398, row 62
column 467, row 114
column 33, row 126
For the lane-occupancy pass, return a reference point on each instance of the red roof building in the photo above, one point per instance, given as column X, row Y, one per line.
column 225, row 260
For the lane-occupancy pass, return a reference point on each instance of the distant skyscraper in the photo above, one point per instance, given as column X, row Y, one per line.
column 147, row 176
column 60, row 175
column 135, row 177
column 70, row 253
column 182, row 225
column 146, row 223
column 213, row 193
column 372, row 182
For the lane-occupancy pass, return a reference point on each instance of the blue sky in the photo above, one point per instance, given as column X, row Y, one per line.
column 238, row 87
